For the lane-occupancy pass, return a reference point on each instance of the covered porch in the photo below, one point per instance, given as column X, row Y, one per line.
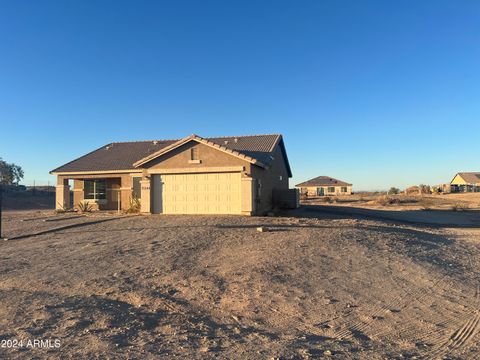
column 107, row 191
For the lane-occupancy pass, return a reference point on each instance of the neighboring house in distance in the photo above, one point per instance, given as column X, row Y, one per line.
column 193, row 175
column 324, row 186
column 466, row 182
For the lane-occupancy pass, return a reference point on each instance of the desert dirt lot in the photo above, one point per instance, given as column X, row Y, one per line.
column 401, row 202
column 205, row 286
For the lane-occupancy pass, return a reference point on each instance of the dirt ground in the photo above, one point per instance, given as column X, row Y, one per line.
column 331, row 286
column 401, row 202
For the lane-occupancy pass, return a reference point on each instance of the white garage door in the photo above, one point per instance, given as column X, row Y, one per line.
column 206, row 193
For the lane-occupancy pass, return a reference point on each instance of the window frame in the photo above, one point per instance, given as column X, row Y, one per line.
column 93, row 196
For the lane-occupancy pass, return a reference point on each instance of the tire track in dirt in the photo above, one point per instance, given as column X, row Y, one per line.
column 407, row 329
column 400, row 302
column 366, row 324
column 463, row 335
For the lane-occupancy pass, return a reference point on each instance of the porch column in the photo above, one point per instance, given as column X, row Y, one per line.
column 125, row 191
column 62, row 195
column 145, row 185
column 248, row 193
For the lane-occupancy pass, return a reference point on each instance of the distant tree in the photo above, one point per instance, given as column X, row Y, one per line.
column 393, row 191
column 10, row 174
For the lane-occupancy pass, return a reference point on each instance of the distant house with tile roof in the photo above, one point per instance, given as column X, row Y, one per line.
column 324, row 186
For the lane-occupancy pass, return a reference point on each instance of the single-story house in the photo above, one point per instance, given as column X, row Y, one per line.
column 324, row 186
column 466, row 182
column 193, row 175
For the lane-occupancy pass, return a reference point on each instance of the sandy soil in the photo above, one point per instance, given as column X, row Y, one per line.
column 204, row 287
column 401, row 202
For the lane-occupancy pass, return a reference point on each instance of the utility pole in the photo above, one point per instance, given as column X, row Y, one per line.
column 1, row 196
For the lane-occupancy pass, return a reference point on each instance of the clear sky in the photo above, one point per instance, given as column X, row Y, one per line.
column 378, row 93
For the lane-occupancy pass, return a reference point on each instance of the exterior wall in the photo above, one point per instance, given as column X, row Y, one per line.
column 276, row 177
column 458, row 180
column 208, row 156
column 313, row 190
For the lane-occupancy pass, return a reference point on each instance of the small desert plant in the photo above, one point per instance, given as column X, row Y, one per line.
column 84, row 207
column 393, row 191
column 459, row 207
column 133, row 205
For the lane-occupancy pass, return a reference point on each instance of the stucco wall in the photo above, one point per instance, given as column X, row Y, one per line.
column 270, row 179
column 208, row 156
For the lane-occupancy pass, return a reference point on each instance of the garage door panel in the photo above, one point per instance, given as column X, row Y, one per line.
column 206, row 193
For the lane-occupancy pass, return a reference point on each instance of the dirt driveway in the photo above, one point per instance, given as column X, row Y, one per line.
column 202, row 287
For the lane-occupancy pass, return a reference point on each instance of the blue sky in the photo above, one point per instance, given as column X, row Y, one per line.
column 378, row 93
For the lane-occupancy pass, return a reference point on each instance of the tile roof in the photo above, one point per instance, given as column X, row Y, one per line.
column 122, row 155
column 323, row 181
column 470, row 177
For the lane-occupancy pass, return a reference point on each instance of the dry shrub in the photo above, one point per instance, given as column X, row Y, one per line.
column 385, row 200
column 459, row 206
column 133, row 206
column 327, row 199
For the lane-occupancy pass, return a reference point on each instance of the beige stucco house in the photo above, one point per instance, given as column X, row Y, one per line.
column 324, row 186
column 193, row 175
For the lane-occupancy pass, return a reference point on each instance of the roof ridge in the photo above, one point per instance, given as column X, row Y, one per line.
column 210, row 137
column 240, row 136
column 141, row 141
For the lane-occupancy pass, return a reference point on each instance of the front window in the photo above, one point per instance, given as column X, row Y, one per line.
column 95, row 189
column 331, row 189
column 344, row 189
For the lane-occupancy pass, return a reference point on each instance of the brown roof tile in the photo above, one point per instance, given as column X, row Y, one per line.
column 122, row 155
